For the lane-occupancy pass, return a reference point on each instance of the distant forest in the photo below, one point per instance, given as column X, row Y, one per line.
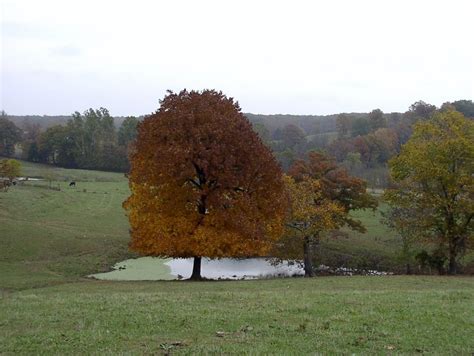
column 362, row 142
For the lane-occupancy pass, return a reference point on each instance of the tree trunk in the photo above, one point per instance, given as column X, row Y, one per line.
column 196, row 276
column 408, row 268
column 453, row 267
column 308, row 263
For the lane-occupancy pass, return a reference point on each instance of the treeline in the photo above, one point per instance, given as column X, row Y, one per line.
column 362, row 142
column 89, row 141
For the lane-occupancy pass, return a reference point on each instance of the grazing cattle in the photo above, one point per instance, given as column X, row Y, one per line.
column 72, row 184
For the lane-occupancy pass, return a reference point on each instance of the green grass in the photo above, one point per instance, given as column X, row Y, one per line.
column 297, row 316
column 50, row 236
column 37, row 170
column 379, row 248
column 139, row 269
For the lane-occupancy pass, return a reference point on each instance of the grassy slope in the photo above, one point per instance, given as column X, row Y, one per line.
column 51, row 236
column 29, row 169
column 378, row 248
column 289, row 316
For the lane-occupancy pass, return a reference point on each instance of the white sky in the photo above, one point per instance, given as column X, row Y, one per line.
column 299, row 57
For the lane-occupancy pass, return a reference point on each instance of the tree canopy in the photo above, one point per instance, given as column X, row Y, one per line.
column 322, row 195
column 377, row 119
column 10, row 134
column 466, row 107
column 203, row 183
column 128, row 131
column 336, row 185
column 88, row 140
column 10, row 168
column 311, row 214
column 434, row 177
column 292, row 135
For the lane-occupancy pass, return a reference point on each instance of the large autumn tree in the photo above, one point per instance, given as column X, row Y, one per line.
column 434, row 177
column 322, row 196
column 203, row 183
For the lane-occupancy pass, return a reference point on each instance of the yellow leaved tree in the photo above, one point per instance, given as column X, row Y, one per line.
column 433, row 196
column 322, row 195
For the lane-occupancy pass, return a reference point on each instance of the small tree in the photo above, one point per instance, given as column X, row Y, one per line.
column 311, row 215
column 10, row 168
column 322, row 196
column 203, row 183
column 403, row 221
column 435, row 182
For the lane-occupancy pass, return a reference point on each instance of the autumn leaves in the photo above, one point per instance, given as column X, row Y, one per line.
column 204, row 184
column 322, row 195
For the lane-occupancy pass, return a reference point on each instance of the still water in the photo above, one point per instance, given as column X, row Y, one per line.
column 152, row 269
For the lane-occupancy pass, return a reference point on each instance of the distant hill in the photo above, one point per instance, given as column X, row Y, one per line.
column 311, row 124
column 46, row 121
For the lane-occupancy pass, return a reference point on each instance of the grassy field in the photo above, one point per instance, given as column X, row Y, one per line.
column 50, row 236
column 51, row 239
column 365, row 315
column 379, row 248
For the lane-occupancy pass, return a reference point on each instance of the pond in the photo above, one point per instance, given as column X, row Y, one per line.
column 152, row 269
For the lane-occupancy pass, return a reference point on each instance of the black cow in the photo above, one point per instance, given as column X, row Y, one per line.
column 72, row 184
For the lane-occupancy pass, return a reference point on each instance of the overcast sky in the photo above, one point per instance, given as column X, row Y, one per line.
column 298, row 57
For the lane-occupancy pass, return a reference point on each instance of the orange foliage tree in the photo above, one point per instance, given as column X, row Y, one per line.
column 322, row 196
column 203, row 184
column 310, row 215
